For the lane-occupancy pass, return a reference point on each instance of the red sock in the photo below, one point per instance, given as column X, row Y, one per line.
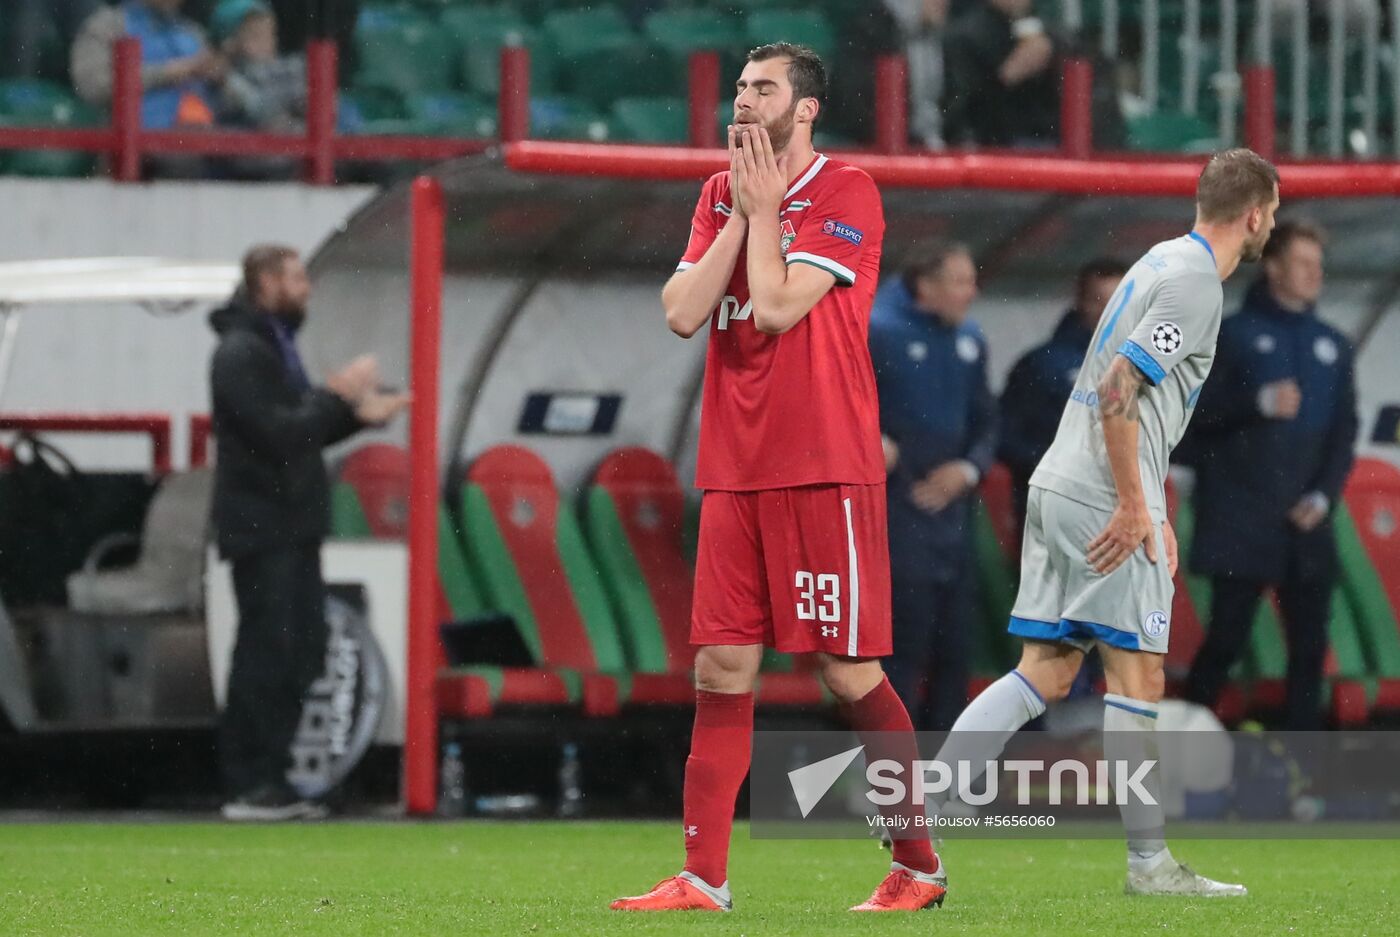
column 721, row 746
column 882, row 722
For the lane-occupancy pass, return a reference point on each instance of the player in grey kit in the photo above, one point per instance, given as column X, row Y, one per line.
column 1099, row 555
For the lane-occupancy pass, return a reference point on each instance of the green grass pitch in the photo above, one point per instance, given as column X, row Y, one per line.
column 477, row 878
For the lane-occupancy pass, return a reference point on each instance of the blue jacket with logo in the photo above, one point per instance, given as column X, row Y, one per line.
column 1251, row 470
column 1034, row 399
column 935, row 403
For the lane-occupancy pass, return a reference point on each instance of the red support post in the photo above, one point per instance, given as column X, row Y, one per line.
column 891, row 104
column 321, row 81
column 126, row 110
column 513, row 106
column 425, row 332
column 704, row 99
column 201, row 428
column 1077, row 108
column 1259, row 117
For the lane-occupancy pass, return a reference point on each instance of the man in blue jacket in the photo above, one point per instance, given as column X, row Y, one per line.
column 938, row 420
column 1040, row 383
column 1276, row 433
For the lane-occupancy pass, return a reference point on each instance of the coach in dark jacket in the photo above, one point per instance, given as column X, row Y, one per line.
column 1040, row 383
column 938, row 419
column 271, row 512
column 1276, row 433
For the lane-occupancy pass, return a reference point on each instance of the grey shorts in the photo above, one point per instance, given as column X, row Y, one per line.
column 1062, row 599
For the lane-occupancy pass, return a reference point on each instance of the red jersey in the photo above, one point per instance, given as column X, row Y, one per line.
column 799, row 408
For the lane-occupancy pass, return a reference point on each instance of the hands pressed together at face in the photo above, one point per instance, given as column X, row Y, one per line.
column 758, row 177
column 358, row 384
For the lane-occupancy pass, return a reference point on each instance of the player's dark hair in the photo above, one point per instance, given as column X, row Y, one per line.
column 931, row 261
column 806, row 73
column 263, row 258
column 1232, row 183
column 1286, row 232
column 1097, row 269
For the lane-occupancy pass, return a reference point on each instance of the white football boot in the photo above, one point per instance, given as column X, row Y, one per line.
column 1166, row 876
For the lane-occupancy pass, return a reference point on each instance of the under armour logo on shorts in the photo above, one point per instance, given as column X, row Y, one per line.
column 830, row 632
column 692, row 831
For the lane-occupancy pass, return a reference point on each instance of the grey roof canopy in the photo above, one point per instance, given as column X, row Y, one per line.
column 552, row 286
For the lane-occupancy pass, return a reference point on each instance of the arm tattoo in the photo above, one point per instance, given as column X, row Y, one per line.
column 1118, row 391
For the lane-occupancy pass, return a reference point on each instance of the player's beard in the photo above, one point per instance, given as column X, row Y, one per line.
column 1254, row 249
column 780, row 130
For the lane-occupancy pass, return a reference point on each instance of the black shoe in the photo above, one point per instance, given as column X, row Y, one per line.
column 271, row 803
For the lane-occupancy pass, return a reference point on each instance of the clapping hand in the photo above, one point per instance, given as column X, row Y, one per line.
column 379, row 407
column 356, row 380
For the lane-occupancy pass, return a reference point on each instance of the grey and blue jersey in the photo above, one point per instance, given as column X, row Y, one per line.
column 1164, row 318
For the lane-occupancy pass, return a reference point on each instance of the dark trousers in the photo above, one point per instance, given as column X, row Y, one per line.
column 1304, row 605
column 281, row 650
column 929, row 665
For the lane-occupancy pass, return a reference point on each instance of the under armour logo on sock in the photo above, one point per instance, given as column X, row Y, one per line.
column 692, row 831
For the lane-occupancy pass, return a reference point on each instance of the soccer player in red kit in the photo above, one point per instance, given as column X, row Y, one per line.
column 783, row 261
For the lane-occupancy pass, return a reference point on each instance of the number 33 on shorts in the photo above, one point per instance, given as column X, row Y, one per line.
column 818, row 597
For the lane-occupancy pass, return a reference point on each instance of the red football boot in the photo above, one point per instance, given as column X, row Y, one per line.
column 684, row 892
column 907, row 890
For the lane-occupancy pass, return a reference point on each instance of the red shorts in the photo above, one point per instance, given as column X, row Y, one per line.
column 797, row 569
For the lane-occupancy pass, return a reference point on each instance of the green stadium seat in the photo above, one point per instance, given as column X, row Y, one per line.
column 375, row 104
column 452, row 114
column 683, row 31
column 1171, row 132
column 1368, row 542
column 535, row 567
column 402, row 50
column 1375, row 618
column 370, row 500
column 602, row 76
column 39, row 103
column 634, row 514
column 478, row 33
column 559, row 117
column 791, row 25
column 576, row 32
column 651, row 120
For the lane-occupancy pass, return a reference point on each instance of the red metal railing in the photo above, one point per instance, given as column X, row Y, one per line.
column 124, row 142
column 154, row 425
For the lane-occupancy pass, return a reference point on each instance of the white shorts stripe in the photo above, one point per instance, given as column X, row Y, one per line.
column 854, row 562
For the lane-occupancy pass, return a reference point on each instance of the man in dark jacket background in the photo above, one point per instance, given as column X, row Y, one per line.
column 271, row 511
column 1276, row 433
column 1002, row 82
column 1040, row 383
column 938, row 420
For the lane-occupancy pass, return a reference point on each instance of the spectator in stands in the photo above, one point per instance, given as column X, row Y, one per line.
column 23, row 32
column 1041, row 381
column 262, row 90
column 1002, row 80
column 863, row 32
column 300, row 20
column 1276, row 428
column 921, row 25
column 270, row 512
column 938, row 420
column 179, row 72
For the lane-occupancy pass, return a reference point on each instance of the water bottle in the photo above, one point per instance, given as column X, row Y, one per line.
column 452, row 786
column 570, row 782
